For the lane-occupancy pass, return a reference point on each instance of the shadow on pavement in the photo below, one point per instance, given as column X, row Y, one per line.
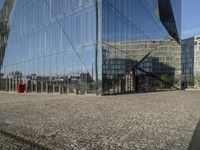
column 195, row 141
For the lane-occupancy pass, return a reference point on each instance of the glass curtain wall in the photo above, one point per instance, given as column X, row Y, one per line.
column 88, row 46
column 5, row 11
column 187, row 62
column 52, row 47
column 139, row 52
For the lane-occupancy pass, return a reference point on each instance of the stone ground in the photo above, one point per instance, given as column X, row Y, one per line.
column 152, row 121
column 10, row 144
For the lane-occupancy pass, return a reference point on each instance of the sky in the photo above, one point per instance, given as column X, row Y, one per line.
column 1, row 3
column 190, row 18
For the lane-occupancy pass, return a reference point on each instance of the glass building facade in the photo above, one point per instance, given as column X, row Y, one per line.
column 90, row 46
column 191, row 62
column 141, row 46
column 187, row 62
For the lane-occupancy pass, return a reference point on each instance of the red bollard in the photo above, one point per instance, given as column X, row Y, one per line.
column 20, row 88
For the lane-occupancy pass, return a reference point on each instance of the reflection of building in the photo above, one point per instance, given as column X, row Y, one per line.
column 4, row 28
column 167, row 51
column 91, row 46
column 164, row 60
column 190, row 61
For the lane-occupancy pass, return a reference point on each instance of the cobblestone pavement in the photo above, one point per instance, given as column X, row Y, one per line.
column 152, row 121
column 10, row 144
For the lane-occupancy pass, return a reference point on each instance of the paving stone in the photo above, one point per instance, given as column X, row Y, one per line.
column 163, row 121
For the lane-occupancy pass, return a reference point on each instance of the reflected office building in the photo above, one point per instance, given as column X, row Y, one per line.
column 90, row 46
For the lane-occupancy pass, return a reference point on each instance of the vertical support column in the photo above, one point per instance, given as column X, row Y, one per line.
column 27, row 87
column 60, row 89
column 31, row 86
column 47, row 87
column 41, row 84
column 126, row 82
column 13, row 83
column 96, row 48
column 9, row 84
column 68, row 85
column 67, row 90
column 120, row 85
column 6, row 84
column 16, row 83
column 85, row 88
column 53, row 88
column 36, row 86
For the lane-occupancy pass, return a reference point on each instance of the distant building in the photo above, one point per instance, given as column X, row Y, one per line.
column 190, row 61
column 187, row 62
column 197, row 56
column 197, row 62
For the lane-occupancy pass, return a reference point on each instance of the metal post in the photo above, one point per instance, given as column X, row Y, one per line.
column 96, row 52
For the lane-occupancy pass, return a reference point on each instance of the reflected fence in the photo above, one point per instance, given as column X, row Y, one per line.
column 82, row 84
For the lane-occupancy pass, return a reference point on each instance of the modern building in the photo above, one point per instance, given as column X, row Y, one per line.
column 197, row 57
column 191, row 62
column 91, row 46
column 187, row 62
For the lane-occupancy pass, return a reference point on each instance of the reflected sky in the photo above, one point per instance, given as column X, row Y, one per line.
column 40, row 42
column 1, row 3
column 134, row 20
